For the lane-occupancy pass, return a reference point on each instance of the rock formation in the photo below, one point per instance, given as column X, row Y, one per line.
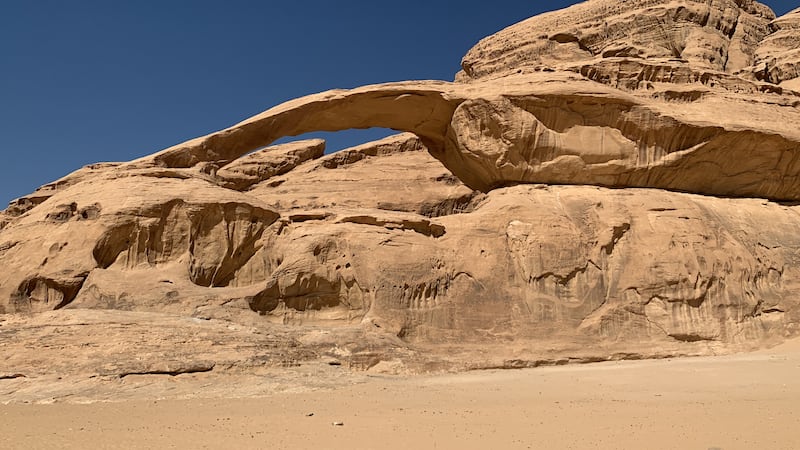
column 777, row 57
column 613, row 180
column 715, row 36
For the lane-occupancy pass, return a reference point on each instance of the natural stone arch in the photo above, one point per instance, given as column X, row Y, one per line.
column 537, row 129
column 422, row 108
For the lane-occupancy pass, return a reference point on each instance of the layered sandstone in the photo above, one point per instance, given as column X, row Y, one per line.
column 717, row 35
column 777, row 57
column 614, row 180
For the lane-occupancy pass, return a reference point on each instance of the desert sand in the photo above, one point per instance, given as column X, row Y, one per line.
column 742, row 401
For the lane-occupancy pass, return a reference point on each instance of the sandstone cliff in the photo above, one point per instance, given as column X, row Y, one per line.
column 613, row 180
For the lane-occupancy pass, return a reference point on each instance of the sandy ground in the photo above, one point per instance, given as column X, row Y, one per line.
column 747, row 401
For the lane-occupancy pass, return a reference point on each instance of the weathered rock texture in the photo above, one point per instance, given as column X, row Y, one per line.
column 614, row 180
column 715, row 35
column 777, row 57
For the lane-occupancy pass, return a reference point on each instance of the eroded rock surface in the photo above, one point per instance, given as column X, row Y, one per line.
column 264, row 164
column 614, row 180
column 720, row 35
column 777, row 58
column 395, row 174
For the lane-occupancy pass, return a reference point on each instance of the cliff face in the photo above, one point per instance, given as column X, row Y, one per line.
column 777, row 57
column 613, row 180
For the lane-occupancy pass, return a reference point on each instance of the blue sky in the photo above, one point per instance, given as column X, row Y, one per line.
column 85, row 81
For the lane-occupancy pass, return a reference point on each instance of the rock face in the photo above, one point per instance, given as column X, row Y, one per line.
column 614, row 180
column 777, row 57
column 265, row 164
column 716, row 35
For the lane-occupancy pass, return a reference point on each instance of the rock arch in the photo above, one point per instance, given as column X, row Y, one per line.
column 422, row 108
column 547, row 129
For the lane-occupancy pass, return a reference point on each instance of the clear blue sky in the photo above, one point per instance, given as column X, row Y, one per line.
column 84, row 81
